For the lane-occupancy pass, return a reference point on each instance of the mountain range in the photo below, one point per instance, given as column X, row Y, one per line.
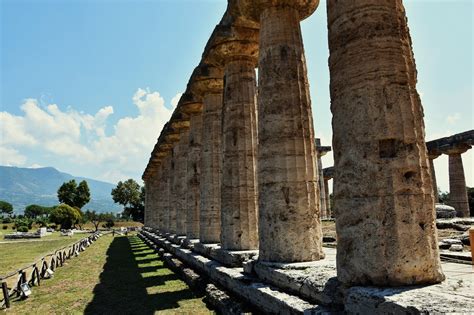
column 24, row 186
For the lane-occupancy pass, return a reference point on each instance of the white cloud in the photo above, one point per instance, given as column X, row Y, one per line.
column 11, row 157
column 80, row 139
column 175, row 99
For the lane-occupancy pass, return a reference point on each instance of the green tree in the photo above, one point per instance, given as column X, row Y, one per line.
column 6, row 207
column 73, row 195
column 65, row 215
column 35, row 211
column 132, row 197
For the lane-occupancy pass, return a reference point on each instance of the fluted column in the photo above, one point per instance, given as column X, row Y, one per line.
column 147, row 214
column 457, row 183
column 384, row 206
column 165, row 192
column 239, row 183
column 322, row 195
column 182, row 186
column 431, row 159
column 211, row 167
column 193, row 197
column 289, row 218
column 326, row 198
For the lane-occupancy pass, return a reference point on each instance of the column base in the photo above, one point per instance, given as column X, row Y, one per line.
column 225, row 257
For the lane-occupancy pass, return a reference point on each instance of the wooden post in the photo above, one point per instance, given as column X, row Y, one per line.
column 33, row 275
column 6, row 297
column 38, row 278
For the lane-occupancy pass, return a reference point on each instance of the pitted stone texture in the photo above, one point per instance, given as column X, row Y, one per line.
column 211, row 167
column 239, row 183
column 433, row 179
column 289, row 221
column 457, row 186
column 182, row 189
column 193, row 194
column 226, row 257
column 165, row 193
column 385, row 206
column 445, row 212
column 452, row 296
column 175, row 189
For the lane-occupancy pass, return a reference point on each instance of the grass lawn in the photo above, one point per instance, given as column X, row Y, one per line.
column 18, row 253
column 118, row 275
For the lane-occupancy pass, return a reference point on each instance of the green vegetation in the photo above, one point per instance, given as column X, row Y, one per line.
column 114, row 276
column 65, row 215
column 130, row 195
column 6, row 207
column 16, row 254
column 74, row 195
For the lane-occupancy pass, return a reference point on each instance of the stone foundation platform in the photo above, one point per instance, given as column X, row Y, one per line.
column 312, row 288
column 225, row 257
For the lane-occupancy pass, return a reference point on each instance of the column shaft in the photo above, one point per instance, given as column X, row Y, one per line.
column 289, row 218
column 193, row 198
column 147, row 214
column 210, row 186
column 326, row 198
column 384, row 206
column 433, row 180
column 239, row 185
column 165, row 193
column 457, row 186
column 322, row 189
column 181, row 182
column 175, row 188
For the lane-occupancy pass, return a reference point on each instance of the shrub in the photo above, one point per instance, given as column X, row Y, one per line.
column 7, row 220
column 22, row 228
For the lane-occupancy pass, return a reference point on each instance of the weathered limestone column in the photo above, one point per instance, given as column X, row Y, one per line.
column 194, row 176
column 457, row 183
column 326, row 198
column 174, row 188
column 210, row 87
column 431, row 158
column 320, row 152
column 289, row 218
column 181, row 179
column 384, row 206
column 147, row 215
column 165, row 192
column 239, row 182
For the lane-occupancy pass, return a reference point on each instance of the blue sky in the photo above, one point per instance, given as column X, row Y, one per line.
column 86, row 85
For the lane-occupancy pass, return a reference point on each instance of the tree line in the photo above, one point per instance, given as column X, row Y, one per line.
column 72, row 198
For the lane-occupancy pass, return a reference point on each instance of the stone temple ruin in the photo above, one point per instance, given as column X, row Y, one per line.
column 235, row 187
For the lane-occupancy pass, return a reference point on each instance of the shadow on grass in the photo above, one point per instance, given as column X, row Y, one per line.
column 125, row 285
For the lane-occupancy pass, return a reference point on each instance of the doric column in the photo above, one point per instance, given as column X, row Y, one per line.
column 165, row 193
column 457, row 182
column 384, row 206
column 431, row 158
column 181, row 179
column 147, row 214
column 288, row 192
column 320, row 152
column 236, row 49
column 209, row 85
column 194, row 177
column 326, row 198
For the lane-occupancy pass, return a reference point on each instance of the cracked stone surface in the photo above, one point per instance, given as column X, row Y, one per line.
column 289, row 218
column 385, row 215
column 181, row 181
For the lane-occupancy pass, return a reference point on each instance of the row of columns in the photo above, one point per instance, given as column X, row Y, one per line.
column 253, row 155
column 457, row 181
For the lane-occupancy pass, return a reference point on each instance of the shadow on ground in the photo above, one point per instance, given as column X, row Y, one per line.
column 134, row 281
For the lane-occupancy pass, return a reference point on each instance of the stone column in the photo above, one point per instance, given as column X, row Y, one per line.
column 457, row 183
column 147, row 215
column 289, row 219
column 431, row 159
column 211, row 167
column 326, row 198
column 165, row 192
column 180, row 181
column 174, row 188
column 319, row 155
column 384, row 206
column 193, row 197
column 239, row 183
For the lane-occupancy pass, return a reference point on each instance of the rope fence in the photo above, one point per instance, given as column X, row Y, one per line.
column 18, row 283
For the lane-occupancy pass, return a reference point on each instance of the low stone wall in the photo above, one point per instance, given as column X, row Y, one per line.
column 312, row 288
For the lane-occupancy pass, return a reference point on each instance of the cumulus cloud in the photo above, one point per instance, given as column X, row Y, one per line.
column 80, row 138
column 175, row 99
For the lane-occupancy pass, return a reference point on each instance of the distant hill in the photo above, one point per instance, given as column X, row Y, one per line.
column 25, row 186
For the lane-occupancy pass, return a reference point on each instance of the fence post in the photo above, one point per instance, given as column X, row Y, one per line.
column 5, row 294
